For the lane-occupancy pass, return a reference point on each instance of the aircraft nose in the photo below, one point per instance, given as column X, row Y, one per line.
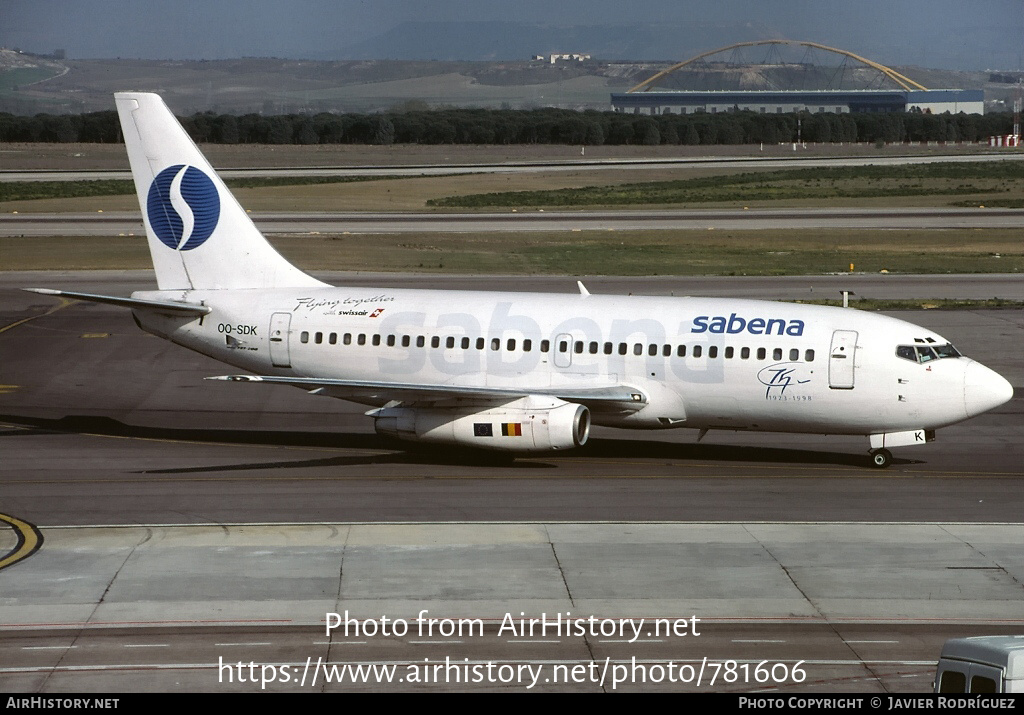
column 984, row 389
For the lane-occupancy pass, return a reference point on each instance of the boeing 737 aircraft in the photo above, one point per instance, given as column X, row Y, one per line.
column 521, row 372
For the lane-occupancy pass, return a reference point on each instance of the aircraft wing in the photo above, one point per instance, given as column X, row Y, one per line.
column 161, row 306
column 601, row 397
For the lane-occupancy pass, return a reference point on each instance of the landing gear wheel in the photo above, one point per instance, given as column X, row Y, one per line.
column 881, row 458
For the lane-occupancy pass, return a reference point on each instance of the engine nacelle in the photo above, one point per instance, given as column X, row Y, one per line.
column 529, row 424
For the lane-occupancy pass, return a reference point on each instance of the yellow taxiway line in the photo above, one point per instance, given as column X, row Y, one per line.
column 29, row 541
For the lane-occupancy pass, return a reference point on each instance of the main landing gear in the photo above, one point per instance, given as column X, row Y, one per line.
column 881, row 458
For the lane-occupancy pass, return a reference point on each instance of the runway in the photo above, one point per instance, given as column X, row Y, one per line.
column 724, row 162
column 130, row 223
column 179, row 517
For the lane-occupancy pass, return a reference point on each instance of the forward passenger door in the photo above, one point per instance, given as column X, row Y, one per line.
column 841, row 360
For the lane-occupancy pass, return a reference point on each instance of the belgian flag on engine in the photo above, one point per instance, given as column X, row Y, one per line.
column 511, row 429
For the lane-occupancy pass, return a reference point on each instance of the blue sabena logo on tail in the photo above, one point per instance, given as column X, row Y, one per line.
column 183, row 207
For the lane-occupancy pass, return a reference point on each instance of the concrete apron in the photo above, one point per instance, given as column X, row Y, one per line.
column 282, row 574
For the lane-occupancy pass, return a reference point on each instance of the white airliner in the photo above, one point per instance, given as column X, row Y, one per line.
column 521, row 372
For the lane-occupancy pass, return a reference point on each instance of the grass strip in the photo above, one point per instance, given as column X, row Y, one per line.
column 636, row 253
column 29, row 190
column 944, row 178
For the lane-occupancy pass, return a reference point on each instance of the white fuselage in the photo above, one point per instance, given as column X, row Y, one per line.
column 700, row 362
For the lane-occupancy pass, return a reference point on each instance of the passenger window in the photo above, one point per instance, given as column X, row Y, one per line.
column 608, row 347
column 745, row 353
column 318, row 338
column 563, row 346
column 729, row 352
column 762, row 353
column 696, row 350
column 376, row 340
column 362, row 339
column 511, row 344
column 638, row 349
column 652, row 349
column 777, row 354
column 449, row 342
column 681, row 351
column 713, row 351
column 593, row 348
column 545, row 346
column 347, row 339
column 435, row 342
column 495, row 343
column 809, row 356
column 527, row 346
column 465, row 343
column 479, row 343
column 332, row 338
column 391, row 341
column 622, row 348
column 794, row 354
column 666, row 350
column 405, row 341
column 304, row 337
column 420, row 341
column 578, row 347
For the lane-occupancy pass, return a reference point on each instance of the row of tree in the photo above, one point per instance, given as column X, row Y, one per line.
column 538, row 126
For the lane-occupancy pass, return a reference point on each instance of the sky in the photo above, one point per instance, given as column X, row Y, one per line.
column 950, row 34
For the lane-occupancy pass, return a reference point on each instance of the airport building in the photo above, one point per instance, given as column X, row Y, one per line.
column 821, row 79
column 936, row 101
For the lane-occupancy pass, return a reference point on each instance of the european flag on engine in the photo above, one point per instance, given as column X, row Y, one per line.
column 483, row 429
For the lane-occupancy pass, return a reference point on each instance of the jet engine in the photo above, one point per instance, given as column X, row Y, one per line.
column 529, row 424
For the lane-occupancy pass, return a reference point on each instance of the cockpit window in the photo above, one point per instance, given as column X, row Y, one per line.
column 922, row 354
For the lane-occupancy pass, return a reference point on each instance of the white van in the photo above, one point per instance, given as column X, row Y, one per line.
column 985, row 664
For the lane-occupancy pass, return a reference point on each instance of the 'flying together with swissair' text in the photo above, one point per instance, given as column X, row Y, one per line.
column 521, row 372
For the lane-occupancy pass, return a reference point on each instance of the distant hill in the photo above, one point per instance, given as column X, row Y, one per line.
column 21, row 78
column 31, row 84
column 283, row 86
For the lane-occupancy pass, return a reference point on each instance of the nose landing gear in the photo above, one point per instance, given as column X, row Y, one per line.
column 881, row 458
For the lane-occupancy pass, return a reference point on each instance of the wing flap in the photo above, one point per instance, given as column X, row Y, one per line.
column 621, row 396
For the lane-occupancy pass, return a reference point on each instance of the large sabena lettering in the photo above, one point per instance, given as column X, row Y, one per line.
column 406, row 361
column 755, row 326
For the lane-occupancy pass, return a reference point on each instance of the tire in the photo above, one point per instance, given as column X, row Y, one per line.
column 881, row 458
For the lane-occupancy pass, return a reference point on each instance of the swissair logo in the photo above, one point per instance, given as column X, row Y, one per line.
column 375, row 313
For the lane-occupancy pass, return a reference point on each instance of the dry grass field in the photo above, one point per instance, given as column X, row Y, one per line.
column 575, row 253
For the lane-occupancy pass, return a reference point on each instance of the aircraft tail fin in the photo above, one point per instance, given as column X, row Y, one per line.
column 199, row 235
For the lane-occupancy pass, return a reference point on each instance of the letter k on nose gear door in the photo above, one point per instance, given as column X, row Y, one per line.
column 841, row 359
column 279, row 325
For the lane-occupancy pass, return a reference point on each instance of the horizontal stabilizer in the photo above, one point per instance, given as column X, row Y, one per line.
column 160, row 306
column 619, row 394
